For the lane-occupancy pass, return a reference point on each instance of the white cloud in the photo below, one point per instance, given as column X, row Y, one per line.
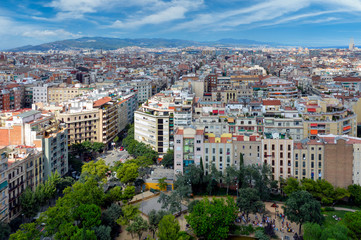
column 268, row 13
column 59, row 33
column 174, row 10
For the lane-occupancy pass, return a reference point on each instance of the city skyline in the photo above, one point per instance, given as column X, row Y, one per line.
column 299, row 23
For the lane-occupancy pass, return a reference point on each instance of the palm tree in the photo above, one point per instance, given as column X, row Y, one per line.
column 162, row 184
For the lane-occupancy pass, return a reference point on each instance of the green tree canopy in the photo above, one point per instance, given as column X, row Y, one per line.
column 129, row 213
column 168, row 228
column 162, row 184
column 96, row 169
column 301, row 207
column 168, row 159
column 212, row 219
column 138, row 226
column 88, row 215
column 353, row 223
column 128, row 172
column 249, row 201
column 154, row 218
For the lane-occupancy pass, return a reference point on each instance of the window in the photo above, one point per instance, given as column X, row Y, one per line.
column 304, row 156
column 206, row 150
column 228, row 159
column 198, row 149
column 289, row 155
column 312, row 156
column 213, row 158
column 281, row 147
column 214, row 151
column 319, row 157
column 281, row 154
column 303, row 164
column 220, row 159
column 273, row 147
column 198, row 141
column 221, row 151
column 265, row 147
column 207, row 158
column 178, row 141
column 289, row 147
column 296, row 156
column 319, row 164
column 312, row 164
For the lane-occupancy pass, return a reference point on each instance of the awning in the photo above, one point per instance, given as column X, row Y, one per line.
column 230, row 120
column 313, row 124
column 347, row 128
column 221, row 111
column 313, row 132
column 311, row 109
column 215, row 111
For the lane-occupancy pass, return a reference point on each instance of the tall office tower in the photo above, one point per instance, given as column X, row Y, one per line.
column 351, row 47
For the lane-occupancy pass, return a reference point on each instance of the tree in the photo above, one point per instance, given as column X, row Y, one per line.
column 28, row 203
column 229, row 176
column 259, row 234
column 4, row 230
column 168, row 228
column 353, row 223
column 96, row 169
column 110, row 216
column 128, row 172
column 249, row 201
column 212, row 219
column 88, row 215
column 312, row 231
column 113, row 195
column 116, row 139
column 26, row 232
column 168, row 159
column 98, row 147
column 64, row 183
column 154, row 218
column 300, row 207
column 88, row 192
column 355, row 194
column 128, row 193
column 103, row 232
column 336, row 231
column 129, row 212
column 83, row 233
column 138, row 226
column 292, row 185
column 162, row 184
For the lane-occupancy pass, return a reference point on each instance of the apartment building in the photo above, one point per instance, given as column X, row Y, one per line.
column 250, row 147
column 55, row 150
column 24, row 170
column 4, row 190
column 278, row 154
column 327, row 116
column 40, row 94
column 154, row 123
column 339, row 159
column 108, row 119
column 188, row 148
column 82, row 121
column 42, row 131
column 144, row 88
column 309, row 159
column 62, row 93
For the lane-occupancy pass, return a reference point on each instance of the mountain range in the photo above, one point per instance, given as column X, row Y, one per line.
column 115, row 43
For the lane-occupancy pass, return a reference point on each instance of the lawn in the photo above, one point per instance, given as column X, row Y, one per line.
column 329, row 220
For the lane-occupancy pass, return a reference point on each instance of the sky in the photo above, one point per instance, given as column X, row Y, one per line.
column 293, row 22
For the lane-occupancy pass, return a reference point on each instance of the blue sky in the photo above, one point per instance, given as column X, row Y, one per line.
column 295, row 22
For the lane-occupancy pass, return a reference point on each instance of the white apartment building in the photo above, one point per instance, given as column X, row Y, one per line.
column 40, row 94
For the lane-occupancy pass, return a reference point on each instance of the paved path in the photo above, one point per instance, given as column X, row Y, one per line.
column 345, row 209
